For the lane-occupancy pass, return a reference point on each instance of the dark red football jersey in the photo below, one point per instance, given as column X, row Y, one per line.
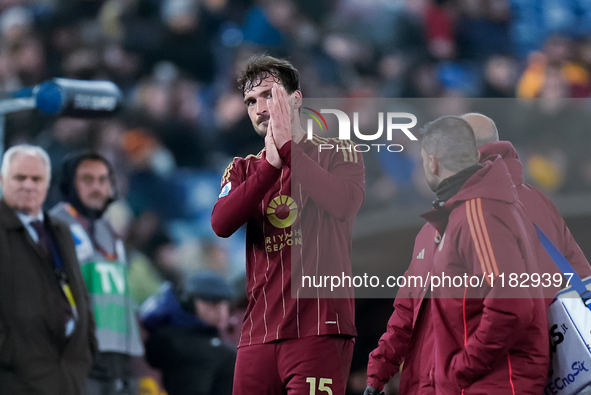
column 299, row 223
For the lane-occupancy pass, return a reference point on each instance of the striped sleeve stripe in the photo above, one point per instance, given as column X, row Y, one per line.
column 257, row 156
column 479, row 233
column 226, row 176
column 346, row 147
column 349, row 152
column 486, row 238
column 474, row 238
column 480, row 236
column 319, row 140
column 356, row 159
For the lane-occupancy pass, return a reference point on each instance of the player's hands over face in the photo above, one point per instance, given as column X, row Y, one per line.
column 280, row 112
column 272, row 153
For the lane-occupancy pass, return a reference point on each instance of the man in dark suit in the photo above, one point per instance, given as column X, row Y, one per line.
column 46, row 326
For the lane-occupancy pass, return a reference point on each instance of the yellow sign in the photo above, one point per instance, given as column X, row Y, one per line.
column 148, row 386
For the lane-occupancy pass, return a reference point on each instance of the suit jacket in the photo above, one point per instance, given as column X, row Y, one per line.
column 35, row 355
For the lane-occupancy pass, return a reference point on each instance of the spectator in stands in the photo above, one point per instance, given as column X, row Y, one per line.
column 556, row 54
column 184, row 336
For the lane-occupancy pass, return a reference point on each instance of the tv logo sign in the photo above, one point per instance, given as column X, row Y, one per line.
column 345, row 128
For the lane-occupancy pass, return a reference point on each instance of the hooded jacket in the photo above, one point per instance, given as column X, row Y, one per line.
column 542, row 211
column 409, row 337
column 66, row 184
column 101, row 254
column 490, row 336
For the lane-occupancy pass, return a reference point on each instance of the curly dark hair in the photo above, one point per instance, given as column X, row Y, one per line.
column 261, row 66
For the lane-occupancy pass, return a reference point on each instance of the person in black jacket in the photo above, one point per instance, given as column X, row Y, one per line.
column 186, row 346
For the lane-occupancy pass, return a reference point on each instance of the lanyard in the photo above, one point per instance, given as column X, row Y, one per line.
column 60, row 271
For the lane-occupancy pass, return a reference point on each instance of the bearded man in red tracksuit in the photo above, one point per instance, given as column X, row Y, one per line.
column 409, row 332
column 488, row 338
column 299, row 203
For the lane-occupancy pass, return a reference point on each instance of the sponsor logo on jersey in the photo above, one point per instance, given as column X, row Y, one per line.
column 421, row 254
column 282, row 211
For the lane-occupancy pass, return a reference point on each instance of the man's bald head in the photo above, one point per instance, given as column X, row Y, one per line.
column 484, row 128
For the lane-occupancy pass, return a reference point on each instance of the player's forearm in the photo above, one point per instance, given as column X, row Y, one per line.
column 234, row 210
column 339, row 193
column 285, row 153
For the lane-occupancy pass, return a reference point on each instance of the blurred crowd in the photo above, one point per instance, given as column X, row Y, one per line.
column 176, row 62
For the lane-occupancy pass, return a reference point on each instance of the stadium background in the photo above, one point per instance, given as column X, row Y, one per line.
column 176, row 62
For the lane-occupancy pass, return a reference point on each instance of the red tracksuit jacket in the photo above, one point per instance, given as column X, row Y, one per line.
column 542, row 211
column 408, row 337
column 488, row 339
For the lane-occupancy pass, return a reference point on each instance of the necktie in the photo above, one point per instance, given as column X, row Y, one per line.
column 44, row 241
column 68, row 305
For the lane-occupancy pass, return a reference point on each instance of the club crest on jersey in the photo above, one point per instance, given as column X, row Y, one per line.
column 282, row 211
column 225, row 190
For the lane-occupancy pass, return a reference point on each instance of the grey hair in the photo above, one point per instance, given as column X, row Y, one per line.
column 451, row 140
column 26, row 149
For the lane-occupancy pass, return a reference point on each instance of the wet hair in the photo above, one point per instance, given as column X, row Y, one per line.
column 261, row 66
column 451, row 140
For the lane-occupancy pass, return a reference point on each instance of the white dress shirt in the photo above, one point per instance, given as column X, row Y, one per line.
column 27, row 219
